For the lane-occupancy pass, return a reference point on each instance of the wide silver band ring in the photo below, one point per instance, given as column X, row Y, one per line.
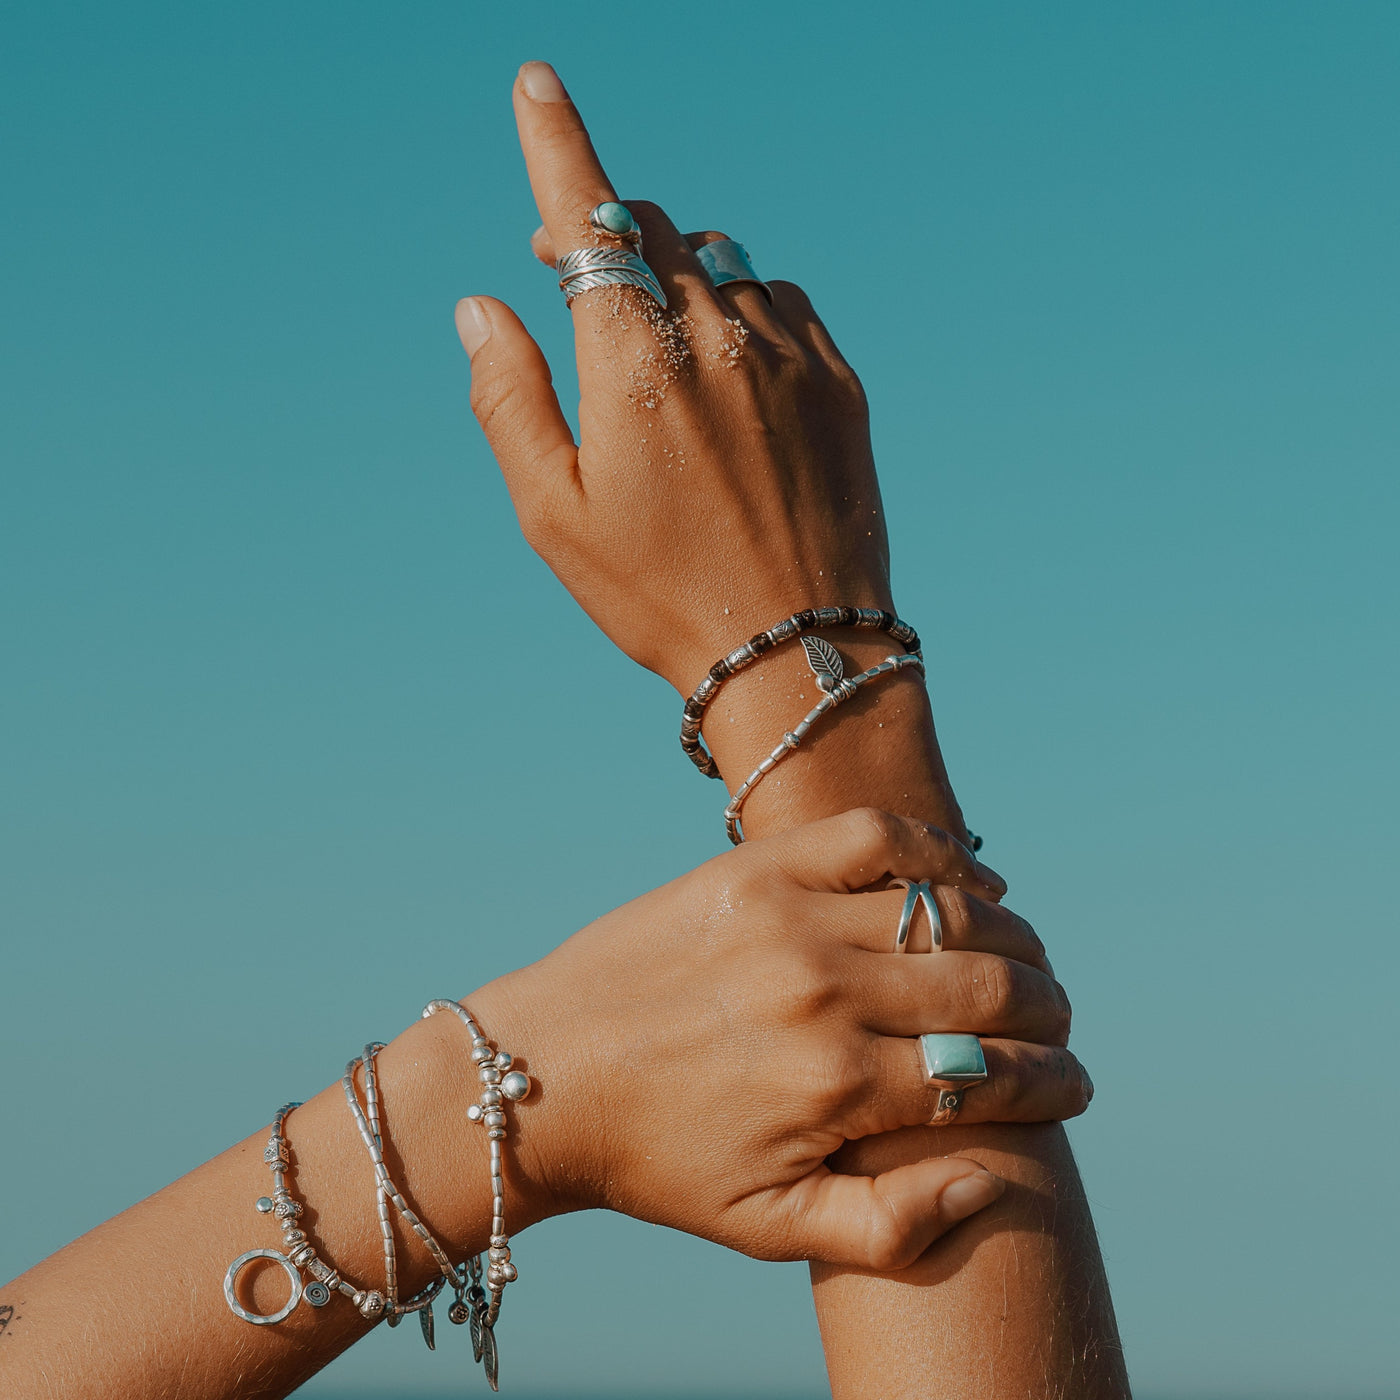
column 586, row 269
column 917, row 892
column 728, row 263
column 952, row 1064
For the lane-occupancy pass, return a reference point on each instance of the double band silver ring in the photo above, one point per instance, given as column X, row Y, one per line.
column 728, row 263
column 586, row 269
column 917, row 892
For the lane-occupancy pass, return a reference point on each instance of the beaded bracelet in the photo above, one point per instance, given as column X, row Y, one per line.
column 809, row 619
column 827, row 666
column 299, row 1256
column 385, row 1192
column 499, row 1082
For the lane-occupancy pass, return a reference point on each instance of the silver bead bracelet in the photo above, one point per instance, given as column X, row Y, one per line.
column 828, row 669
column 499, row 1083
column 479, row 1306
column 298, row 1256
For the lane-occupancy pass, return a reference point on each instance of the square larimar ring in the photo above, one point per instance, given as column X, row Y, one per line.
column 953, row 1063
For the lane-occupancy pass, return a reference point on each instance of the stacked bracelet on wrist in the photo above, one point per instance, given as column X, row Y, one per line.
column 790, row 628
column 473, row 1303
column 829, row 671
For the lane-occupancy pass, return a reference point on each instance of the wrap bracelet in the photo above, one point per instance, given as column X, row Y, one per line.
column 478, row 1305
column 789, row 629
column 838, row 690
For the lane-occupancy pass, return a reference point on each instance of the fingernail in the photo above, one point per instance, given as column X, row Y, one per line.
column 969, row 1194
column 473, row 325
column 542, row 83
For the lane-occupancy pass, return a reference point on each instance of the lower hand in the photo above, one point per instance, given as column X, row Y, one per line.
column 703, row 1050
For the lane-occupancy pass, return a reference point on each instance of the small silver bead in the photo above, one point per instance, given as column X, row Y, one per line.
column 291, row 1235
column 489, row 1074
column 508, row 1273
column 515, row 1086
column 475, row 1112
column 491, row 1095
column 264, row 1204
column 302, row 1255
column 499, row 1241
column 495, row 1118
column 504, row 1059
column 288, row 1209
column 481, row 1053
column 371, row 1305
column 498, row 1253
column 496, row 1133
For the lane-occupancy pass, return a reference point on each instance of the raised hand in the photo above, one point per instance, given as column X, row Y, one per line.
column 724, row 476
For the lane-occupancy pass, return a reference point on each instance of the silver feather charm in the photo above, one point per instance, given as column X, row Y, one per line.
column 825, row 661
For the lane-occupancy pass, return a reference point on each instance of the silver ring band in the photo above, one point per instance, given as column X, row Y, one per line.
column 586, row 269
column 917, row 892
column 728, row 263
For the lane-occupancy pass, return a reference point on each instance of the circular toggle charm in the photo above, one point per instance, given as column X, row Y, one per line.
column 259, row 1319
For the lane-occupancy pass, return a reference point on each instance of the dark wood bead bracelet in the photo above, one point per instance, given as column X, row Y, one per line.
column 789, row 629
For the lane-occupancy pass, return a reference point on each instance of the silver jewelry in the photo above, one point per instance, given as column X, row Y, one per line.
column 917, row 892
column 385, row 1192
column 499, row 1083
column 586, row 269
column 953, row 1063
column 298, row 1256
column 262, row 1319
column 790, row 628
column 727, row 262
column 827, row 667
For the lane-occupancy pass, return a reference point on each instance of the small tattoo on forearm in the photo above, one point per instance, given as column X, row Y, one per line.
column 7, row 1319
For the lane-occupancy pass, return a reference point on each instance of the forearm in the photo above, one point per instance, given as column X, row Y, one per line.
column 1015, row 1303
column 136, row 1306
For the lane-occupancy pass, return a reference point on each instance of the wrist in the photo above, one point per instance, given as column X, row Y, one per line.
column 879, row 749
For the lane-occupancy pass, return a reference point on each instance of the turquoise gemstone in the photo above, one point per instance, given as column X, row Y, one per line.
column 954, row 1058
column 615, row 218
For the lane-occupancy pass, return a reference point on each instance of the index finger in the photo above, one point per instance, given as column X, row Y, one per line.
column 566, row 176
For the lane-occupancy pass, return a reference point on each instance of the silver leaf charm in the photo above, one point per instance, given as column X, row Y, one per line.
column 825, row 661
column 425, row 1321
column 490, row 1358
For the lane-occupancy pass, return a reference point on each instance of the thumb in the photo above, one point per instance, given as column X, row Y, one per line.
column 514, row 401
column 885, row 1223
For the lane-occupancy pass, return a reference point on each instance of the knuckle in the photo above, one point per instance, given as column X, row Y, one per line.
column 887, row 1243
column 992, row 993
column 869, row 828
column 956, row 911
column 832, row 1079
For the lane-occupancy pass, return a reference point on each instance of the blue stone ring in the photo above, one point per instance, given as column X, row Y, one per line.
column 586, row 269
column 728, row 264
column 952, row 1063
column 616, row 219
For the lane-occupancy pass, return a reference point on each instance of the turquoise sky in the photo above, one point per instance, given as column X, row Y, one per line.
column 1122, row 283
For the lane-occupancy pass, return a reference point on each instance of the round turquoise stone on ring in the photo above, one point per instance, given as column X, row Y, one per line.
column 613, row 218
column 953, row 1060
